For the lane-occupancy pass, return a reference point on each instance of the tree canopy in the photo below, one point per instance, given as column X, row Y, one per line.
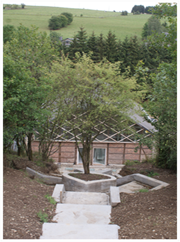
column 162, row 103
column 93, row 96
column 27, row 58
column 60, row 21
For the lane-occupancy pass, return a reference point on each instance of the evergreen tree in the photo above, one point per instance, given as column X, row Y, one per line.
column 72, row 49
column 92, row 46
column 82, row 41
column 79, row 44
column 111, row 47
column 101, row 47
column 129, row 54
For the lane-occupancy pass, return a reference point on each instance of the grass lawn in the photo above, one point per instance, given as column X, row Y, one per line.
column 91, row 20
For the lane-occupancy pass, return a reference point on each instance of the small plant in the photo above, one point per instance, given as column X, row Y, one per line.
column 131, row 163
column 50, row 199
column 143, row 190
column 43, row 217
column 152, row 173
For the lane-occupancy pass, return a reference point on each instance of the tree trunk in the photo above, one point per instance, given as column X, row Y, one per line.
column 30, row 155
column 18, row 146
column 86, row 158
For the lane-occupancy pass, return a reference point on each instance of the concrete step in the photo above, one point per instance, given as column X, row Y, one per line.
column 85, row 198
column 79, row 231
column 82, row 214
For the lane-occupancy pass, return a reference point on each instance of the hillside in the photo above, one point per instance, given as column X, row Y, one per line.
column 91, row 20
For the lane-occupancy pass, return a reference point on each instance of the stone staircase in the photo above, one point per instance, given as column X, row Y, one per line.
column 81, row 215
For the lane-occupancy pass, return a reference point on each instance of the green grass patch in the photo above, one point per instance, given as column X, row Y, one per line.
column 50, row 199
column 143, row 190
column 92, row 20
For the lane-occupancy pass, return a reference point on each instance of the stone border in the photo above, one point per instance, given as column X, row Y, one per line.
column 75, row 184
column 156, row 184
column 114, row 196
column 50, row 180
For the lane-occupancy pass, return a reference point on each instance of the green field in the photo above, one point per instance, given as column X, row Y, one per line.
column 92, row 20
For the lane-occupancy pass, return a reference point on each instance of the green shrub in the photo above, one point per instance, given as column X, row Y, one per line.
column 69, row 16
column 57, row 22
column 43, row 217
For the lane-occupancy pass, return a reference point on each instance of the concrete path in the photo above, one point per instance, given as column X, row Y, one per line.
column 130, row 187
column 81, row 215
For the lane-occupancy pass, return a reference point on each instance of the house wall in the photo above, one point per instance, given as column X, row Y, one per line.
column 116, row 153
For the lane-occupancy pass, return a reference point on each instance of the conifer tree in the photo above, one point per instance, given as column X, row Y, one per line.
column 111, row 47
column 72, row 49
column 79, row 44
column 101, row 47
column 82, row 41
column 92, row 46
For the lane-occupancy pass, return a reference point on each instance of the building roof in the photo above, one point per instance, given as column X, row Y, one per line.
column 138, row 117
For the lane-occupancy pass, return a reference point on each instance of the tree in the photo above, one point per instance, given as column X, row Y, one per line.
column 111, row 47
column 138, row 8
column 93, row 97
column 124, row 13
column 101, row 47
column 79, row 44
column 163, row 107
column 57, row 22
column 27, row 59
column 23, row 5
column 149, row 9
column 153, row 25
column 92, row 46
column 129, row 55
column 162, row 103
column 69, row 16
column 8, row 33
column 55, row 41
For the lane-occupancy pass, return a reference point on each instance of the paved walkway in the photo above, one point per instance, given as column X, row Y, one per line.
column 81, row 215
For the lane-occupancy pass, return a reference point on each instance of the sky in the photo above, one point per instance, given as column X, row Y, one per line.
column 109, row 5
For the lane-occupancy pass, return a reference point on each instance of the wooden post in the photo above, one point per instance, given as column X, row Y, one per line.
column 140, row 153
column 107, row 154
column 59, row 160
column 124, row 153
column 75, row 159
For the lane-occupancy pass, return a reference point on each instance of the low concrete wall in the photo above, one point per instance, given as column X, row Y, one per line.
column 74, row 184
column 124, row 180
column 50, row 180
column 156, row 184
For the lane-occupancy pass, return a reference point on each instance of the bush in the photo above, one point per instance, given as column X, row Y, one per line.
column 124, row 13
column 69, row 16
column 57, row 22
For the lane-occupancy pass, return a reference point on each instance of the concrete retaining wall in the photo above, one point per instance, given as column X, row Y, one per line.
column 156, row 184
column 74, row 184
column 50, row 180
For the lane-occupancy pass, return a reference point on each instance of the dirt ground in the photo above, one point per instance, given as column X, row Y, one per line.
column 89, row 177
column 150, row 215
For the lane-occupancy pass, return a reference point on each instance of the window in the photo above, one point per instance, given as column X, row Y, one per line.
column 99, row 156
column 79, row 159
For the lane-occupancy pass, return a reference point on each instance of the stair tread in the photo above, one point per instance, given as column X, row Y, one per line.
column 79, row 231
